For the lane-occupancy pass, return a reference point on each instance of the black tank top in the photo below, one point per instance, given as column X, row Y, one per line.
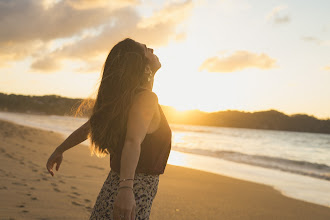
column 155, row 149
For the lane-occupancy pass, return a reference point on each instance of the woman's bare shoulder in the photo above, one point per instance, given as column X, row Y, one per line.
column 146, row 96
column 141, row 114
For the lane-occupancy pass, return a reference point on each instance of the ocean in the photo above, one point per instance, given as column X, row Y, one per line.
column 295, row 163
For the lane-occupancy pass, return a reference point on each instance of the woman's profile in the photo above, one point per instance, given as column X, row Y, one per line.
column 128, row 123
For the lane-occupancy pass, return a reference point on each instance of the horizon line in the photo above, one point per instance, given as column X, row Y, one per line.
column 245, row 111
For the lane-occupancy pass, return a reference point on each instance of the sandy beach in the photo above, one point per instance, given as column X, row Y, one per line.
column 28, row 191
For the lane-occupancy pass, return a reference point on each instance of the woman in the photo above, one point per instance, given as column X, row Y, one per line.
column 128, row 123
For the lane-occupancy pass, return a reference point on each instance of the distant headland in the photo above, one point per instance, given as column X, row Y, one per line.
column 269, row 120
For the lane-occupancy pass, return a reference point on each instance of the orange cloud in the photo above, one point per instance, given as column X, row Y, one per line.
column 88, row 4
column 12, row 51
column 28, row 25
column 24, row 21
column 327, row 68
column 125, row 22
column 316, row 40
column 47, row 64
column 276, row 15
column 238, row 61
column 171, row 13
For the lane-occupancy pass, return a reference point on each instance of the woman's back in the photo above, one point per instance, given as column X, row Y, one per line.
column 155, row 148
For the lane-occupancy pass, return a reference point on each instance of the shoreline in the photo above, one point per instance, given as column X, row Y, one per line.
column 301, row 187
column 183, row 193
column 291, row 185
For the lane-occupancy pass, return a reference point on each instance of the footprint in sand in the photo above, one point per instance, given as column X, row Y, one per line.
column 87, row 200
column 19, row 184
column 24, row 180
column 73, row 197
column 75, row 193
column 56, row 189
column 34, row 198
column 33, row 164
column 3, row 187
column 71, row 177
column 10, row 175
column 73, row 187
column 32, row 188
column 88, row 208
column 76, row 203
column 53, row 184
column 20, row 206
column 44, row 178
column 9, row 156
column 61, row 181
column 25, row 211
column 95, row 167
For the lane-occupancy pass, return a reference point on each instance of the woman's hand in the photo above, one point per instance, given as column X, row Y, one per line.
column 57, row 158
column 124, row 205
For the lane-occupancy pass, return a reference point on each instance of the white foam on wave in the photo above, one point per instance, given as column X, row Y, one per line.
column 292, row 185
column 317, row 170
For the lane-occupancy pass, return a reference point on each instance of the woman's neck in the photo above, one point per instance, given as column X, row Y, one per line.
column 149, row 85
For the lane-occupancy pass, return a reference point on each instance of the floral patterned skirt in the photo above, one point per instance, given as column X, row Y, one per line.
column 145, row 188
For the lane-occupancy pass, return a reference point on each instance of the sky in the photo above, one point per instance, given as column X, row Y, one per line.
column 216, row 55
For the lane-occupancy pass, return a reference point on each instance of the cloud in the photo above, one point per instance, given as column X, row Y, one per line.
column 276, row 16
column 316, row 40
column 126, row 22
column 311, row 39
column 13, row 51
column 171, row 13
column 88, row 4
column 26, row 25
column 238, row 61
column 46, row 64
column 28, row 20
column 327, row 68
column 180, row 36
column 81, row 29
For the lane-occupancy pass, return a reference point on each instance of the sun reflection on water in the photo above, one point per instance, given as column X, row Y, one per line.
column 178, row 158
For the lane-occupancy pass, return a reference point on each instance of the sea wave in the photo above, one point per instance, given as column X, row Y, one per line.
column 316, row 170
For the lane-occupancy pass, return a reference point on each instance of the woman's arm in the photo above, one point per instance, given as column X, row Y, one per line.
column 139, row 119
column 75, row 138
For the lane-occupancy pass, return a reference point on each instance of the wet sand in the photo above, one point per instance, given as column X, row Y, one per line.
column 28, row 191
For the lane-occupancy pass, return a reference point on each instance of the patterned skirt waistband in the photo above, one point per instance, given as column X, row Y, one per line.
column 137, row 175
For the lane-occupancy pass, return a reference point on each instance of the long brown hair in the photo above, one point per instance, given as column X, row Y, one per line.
column 123, row 73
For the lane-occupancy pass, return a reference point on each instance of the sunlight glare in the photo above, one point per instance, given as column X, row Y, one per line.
column 177, row 158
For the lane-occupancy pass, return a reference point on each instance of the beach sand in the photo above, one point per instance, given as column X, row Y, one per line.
column 28, row 191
